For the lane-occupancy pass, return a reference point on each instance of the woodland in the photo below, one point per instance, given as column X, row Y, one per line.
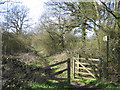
column 65, row 30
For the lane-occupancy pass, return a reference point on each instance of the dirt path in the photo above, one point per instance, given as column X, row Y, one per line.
column 78, row 85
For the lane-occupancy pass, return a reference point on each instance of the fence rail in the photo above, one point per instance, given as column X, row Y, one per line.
column 61, row 71
column 86, row 68
column 57, row 64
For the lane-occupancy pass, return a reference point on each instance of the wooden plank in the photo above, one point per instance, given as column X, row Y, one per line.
column 90, row 59
column 86, row 63
column 59, row 79
column 82, row 63
column 56, row 64
column 94, row 59
column 83, row 68
column 59, row 72
column 82, row 58
column 88, row 78
column 83, row 73
column 87, row 70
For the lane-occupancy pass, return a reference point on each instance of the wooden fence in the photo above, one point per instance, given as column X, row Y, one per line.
column 81, row 68
column 61, row 71
column 86, row 68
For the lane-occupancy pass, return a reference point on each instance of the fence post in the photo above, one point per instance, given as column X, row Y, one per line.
column 73, row 68
column 68, row 70
column 100, row 69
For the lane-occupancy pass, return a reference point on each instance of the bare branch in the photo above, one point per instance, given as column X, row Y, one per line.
column 109, row 10
column 3, row 2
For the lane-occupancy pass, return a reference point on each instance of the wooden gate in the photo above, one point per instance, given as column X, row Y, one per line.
column 86, row 68
column 61, row 71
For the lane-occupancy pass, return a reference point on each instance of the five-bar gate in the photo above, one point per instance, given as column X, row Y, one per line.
column 86, row 68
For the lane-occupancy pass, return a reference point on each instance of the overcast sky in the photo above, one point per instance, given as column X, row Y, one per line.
column 36, row 7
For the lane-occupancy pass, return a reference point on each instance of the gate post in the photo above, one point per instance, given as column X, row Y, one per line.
column 68, row 70
column 73, row 68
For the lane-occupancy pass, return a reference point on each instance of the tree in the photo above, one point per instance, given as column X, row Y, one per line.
column 17, row 19
column 55, row 27
column 14, row 25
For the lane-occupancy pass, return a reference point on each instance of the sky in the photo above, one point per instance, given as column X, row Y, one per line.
column 36, row 7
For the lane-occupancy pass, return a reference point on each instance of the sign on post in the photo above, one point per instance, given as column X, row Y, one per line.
column 105, row 38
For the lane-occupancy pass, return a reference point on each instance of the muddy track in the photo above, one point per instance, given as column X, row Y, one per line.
column 78, row 85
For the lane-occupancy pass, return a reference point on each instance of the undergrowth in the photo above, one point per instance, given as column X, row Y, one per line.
column 58, row 86
column 104, row 84
column 99, row 83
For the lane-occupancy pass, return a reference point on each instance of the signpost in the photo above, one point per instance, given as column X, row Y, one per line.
column 106, row 39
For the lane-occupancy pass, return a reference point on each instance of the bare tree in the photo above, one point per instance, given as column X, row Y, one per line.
column 17, row 19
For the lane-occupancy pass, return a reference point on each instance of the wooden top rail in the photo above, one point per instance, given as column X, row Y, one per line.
column 90, row 64
column 57, row 63
column 91, row 59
